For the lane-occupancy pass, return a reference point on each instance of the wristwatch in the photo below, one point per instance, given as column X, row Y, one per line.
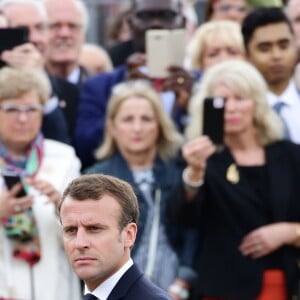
column 180, row 291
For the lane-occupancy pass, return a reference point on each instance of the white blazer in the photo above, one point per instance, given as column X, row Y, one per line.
column 52, row 275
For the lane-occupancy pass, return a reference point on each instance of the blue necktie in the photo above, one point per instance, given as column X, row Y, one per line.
column 278, row 107
column 90, row 297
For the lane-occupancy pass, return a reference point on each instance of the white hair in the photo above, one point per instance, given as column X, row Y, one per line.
column 81, row 7
column 39, row 4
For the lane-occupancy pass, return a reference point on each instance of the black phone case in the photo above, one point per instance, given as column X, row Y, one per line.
column 11, row 180
column 12, row 37
column 213, row 119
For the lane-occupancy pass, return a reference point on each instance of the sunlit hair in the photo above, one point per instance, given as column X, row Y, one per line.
column 96, row 186
column 244, row 80
column 169, row 140
column 229, row 32
column 37, row 3
column 16, row 82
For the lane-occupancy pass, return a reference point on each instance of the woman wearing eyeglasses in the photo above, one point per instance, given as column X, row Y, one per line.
column 32, row 261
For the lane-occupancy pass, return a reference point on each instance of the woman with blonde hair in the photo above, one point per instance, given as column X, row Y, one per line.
column 214, row 42
column 266, row 121
column 243, row 197
column 141, row 146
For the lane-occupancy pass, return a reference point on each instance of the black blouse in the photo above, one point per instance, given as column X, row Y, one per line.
column 257, row 178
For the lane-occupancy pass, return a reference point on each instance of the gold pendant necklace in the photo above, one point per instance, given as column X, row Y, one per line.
column 232, row 174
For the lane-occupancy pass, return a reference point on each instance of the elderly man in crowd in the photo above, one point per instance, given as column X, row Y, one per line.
column 59, row 120
column 68, row 21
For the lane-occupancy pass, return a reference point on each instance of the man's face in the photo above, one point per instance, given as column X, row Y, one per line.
column 66, row 32
column 156, row 14
column 29, row 15
column 95, row 245
column 272, row 50
column 293, row 12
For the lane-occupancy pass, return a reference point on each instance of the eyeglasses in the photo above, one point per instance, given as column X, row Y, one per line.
column 15, row 110
column 222, row 7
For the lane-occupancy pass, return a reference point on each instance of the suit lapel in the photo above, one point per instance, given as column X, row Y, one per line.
column 125, row 283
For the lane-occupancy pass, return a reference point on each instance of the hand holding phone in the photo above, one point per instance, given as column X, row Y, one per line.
column 12, row 37
column 11, row 180
column 213, row 119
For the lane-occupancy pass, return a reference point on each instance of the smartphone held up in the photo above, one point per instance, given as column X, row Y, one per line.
column 12, row 37
column 11, row 179
column 213, row 119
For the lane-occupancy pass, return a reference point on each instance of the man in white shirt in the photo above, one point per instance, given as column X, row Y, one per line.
column 271, row 47
column 99, row 215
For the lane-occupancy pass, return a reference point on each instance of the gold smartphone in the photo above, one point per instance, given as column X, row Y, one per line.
column 164, row 48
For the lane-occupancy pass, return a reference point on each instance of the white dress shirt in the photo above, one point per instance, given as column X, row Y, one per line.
column 290, row 112
column 74, row 76
column 105, row 288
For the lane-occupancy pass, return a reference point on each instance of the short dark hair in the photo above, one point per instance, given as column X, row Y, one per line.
column 95, row 186
column 260, row 17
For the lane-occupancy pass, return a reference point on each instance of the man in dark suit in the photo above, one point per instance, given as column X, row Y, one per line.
column 99, row 215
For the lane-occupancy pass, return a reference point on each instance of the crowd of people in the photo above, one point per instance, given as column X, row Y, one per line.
column 213, row 222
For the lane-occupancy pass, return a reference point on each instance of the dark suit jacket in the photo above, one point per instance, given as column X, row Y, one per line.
column 59, row 124
column 54, row 126
column 120, row 52
column 133, row 285
column 225, row 212
column 68, row 97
